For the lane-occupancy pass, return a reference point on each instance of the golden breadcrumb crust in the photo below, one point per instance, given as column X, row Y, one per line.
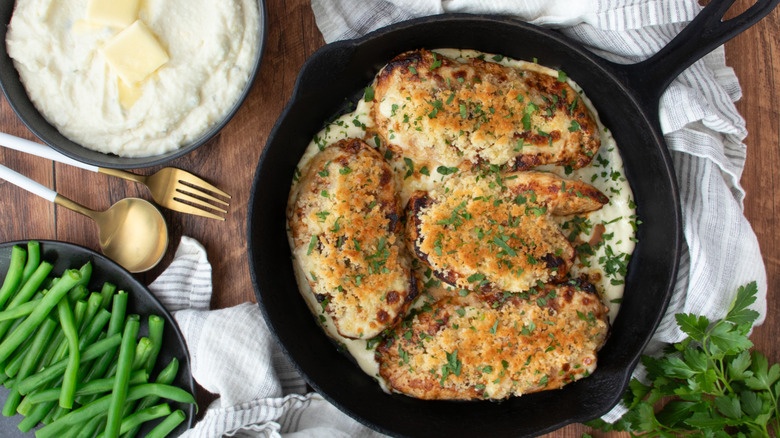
column 489, row 345
column 436, row 109
column 497, row 232
column 348, row 239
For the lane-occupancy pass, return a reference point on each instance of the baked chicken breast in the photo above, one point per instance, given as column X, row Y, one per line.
column 433, row 108
column 497, row 232
column 492, row 346
column 348, row 240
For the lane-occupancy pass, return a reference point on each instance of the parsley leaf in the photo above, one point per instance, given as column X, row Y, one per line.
column 713, row 385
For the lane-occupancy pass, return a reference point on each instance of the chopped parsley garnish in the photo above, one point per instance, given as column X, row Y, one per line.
column 436, row 62
column 409, row 167
column 311, row 244
column 453, row 366
column 324, row 172
column 437, row 105
column 475, row 277
column 444, row 170
column 368, row 96
column 526, row 121
column 504, row 246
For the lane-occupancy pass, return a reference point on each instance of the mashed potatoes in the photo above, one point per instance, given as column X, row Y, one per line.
column 212, row 46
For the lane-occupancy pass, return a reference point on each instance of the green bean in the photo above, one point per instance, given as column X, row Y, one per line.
column 13, row 277
column 19, row 311
column 77, row 293
column 167, row 425
column 33, row 259
column 71, row 433
column 156, row 328
column 92, row 426
column 74, row 355
column 25, row 293
column 140, row 417
column 107, row 291
column 51, row 349
column 169, row 372
column 115, row 325
column 166, row 376
column 15, row 362
column 84, row 413
column 124, row 365
column 94, row 329
column 94, row 387
column 93, row 305
column 35, row 351
column 25, row 406
column 35, row 416
column 49, row 301
column 57, row 411
column 86, row 274
column 53, row 409
column 142, row 351
column 79, row 311
column 52, row 371
column 28, row 365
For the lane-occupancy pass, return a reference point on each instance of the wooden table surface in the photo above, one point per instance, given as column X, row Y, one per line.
column 229, row 161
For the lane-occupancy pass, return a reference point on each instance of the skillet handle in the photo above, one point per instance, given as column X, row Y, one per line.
column 705, row 33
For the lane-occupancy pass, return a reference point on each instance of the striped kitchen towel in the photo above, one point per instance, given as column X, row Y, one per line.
column 234, row 355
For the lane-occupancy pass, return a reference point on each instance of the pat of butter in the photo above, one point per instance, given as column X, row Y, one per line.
column 134, row 53
column 128, row 94
column 116, row 13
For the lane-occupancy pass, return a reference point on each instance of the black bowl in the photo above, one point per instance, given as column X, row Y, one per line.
column 17, row 97
column 64, row 256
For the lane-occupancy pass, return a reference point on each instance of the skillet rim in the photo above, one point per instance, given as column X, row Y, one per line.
column 616, row 76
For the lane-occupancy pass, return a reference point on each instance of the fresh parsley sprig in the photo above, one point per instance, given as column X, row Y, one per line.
column 709, row 384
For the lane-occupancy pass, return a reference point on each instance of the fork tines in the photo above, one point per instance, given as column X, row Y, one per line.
column 192, row 197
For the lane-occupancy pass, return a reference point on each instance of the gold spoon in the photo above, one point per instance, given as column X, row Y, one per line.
column 132, row 232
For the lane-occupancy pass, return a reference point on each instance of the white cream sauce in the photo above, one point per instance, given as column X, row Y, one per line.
column 605, row 172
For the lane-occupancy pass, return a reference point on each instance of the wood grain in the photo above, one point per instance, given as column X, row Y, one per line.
column 229, row 162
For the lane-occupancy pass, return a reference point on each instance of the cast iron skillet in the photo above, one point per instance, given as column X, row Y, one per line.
column 17, row 97
column 626, row 97
column 64, row 256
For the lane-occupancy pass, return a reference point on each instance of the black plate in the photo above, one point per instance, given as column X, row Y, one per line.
column 17, row 97
column 67, row 255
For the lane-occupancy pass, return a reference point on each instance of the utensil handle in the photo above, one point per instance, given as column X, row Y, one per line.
column 31, row 186
column 39, row 150
column 703, row 34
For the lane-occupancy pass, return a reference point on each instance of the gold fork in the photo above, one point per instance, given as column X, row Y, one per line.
column 171, row 188
column 178, row 190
